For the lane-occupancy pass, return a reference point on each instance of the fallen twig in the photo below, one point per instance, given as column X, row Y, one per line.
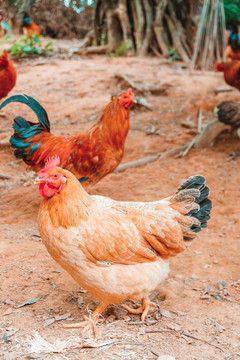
column 200, row 121
column 91, row 50
column 223, row 89
column 191, row 144
column 5, row 176
column 151, row 158
column 162, row 89
column 202, row 340
column 158, row 330
column 184, row 333
column 154, row 352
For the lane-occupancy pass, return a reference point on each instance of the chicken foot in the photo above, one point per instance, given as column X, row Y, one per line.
column 89, row 322
column 142, row 309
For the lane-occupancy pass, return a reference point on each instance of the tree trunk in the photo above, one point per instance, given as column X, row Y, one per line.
column 157, row 26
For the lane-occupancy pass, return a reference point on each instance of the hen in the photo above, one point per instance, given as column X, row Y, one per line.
column 29, row 27
column 117, row 250
column 232, row 51
column 88, row 155
column 8, row 75
column 231, row 71
column 228, row 112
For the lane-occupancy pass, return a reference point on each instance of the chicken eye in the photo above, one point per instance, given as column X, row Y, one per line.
column 55, row 175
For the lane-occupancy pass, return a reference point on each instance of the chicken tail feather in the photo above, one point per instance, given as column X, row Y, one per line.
column 23, row 141
column 33, row 104
column 228, row 112
column 193, row 195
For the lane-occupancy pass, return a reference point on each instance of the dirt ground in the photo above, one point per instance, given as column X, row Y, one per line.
column 198, row 312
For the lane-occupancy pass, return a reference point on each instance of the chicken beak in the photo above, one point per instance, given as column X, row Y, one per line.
column 134, row 101
column 39, row 181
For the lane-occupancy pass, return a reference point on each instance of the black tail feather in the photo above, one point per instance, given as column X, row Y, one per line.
column 200, row 197
column 228, row 112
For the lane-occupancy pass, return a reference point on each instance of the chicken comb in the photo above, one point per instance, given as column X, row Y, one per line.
column 130, row 93
column 52, row 162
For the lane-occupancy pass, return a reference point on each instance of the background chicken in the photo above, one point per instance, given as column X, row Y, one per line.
column 2, row 32
column 8, row 75
column 29, row 27
column 228, row 112
column 117, row 250
column 89, row 155
column 232, row 51
column 231, row 71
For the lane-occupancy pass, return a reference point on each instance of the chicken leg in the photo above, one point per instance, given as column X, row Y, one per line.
column 142, row 309
column 91, row 321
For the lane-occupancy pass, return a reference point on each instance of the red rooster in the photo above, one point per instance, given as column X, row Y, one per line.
column 29, row 27
column 89, row 155
column 8, row 75
column 231, row 71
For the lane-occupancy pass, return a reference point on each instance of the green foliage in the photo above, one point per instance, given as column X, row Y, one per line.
column 29, row 47
column 173, row 55
column 121, row 51
column 232, row 11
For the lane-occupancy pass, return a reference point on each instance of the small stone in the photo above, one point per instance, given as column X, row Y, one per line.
column 205, row 297
column 166, row 314
column 48, row 322
column 92, row 117
column 62, row 317
column 206, row 266
column 8, row 312
column 80, row 302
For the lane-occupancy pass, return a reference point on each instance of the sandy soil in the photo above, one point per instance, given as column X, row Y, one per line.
column 198, row 313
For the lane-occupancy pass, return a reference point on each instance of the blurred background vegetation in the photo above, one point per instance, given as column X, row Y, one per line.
column 139, row 27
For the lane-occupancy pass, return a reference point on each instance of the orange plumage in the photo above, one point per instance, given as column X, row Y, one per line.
column 88, row 155
column 232, row 54
column 29, row 27
column 231, row 71
column 8, row 75
column 116, row 250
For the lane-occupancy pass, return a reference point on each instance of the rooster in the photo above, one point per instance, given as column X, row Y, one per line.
column 231, row 71
column 8, row 75
column 228, row 112
column 117, row 250
column 88, row 155
column 232, row 51
column 29, row 27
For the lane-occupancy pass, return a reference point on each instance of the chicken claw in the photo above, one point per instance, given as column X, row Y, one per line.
column 142, row 309
column 87, row 324
column 90, row 322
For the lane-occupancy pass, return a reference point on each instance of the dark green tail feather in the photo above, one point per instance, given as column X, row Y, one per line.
column 33, row 104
